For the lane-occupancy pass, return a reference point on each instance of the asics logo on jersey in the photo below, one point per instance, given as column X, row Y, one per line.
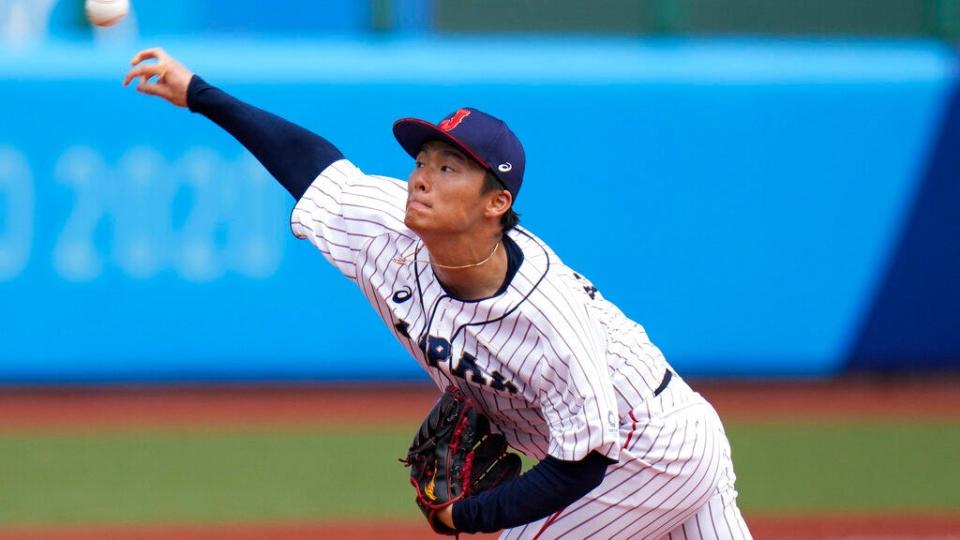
column 402, row 295
column 454, row 120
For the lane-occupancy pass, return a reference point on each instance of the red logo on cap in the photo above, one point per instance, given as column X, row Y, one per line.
column 454, row 120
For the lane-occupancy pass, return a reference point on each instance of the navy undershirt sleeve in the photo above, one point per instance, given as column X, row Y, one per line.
column 545, row 489
column 292, row 154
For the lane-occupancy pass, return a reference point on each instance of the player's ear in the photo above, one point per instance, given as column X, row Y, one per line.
column 498, row 203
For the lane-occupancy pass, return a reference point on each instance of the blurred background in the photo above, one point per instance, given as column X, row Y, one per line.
column 771, row 188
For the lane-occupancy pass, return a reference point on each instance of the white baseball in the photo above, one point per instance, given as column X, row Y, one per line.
column 106, row 12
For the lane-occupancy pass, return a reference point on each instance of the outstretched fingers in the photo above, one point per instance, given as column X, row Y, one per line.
column 154, row 89
column 155, row 53
column 160, row 75
column 147, row 71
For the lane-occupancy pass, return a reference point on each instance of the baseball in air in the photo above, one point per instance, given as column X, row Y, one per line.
column 106, row 12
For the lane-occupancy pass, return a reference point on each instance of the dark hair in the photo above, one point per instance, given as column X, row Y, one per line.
column 509, row 219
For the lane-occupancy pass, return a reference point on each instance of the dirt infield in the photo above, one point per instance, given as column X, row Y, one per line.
column 123, row 408
column 860, row 527
column 332, row 531
column 882, row 399
column 864, row 399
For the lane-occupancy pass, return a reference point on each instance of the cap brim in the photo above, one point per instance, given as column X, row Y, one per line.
column 413, row 133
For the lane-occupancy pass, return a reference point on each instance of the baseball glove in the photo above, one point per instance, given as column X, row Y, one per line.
column 454, row 455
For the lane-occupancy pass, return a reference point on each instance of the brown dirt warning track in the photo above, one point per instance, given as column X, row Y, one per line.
column 32, row 408
column 123, row 408
column 853, row 527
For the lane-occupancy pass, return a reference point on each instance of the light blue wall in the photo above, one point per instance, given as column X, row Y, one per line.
column 738, row 198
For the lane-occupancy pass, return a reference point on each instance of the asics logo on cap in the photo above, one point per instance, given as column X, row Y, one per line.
column 454, row 120
column 505, row 167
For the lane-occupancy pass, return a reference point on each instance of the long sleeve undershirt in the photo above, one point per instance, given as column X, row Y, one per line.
column 295, row 157
column 292, row 154
column 547, row 488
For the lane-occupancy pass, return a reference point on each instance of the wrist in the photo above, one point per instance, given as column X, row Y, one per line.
column 194, row 87
column 445, row 515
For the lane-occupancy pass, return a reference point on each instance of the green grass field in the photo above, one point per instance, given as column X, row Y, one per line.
column 847, row 466
column 302, row 473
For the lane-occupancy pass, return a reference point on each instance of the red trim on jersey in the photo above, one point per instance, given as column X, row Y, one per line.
column 632, row 429
column 548, row 523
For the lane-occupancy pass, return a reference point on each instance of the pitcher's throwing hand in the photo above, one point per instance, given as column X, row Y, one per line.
column 166, row 77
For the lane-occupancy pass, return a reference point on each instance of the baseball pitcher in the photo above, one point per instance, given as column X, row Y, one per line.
column 530, row 354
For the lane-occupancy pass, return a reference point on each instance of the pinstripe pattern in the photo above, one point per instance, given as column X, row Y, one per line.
column 674, row 480
column 558, row 369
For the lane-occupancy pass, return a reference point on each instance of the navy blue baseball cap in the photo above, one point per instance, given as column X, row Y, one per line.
column 484, row 138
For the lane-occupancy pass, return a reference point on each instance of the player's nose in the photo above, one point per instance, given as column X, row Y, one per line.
column 420, row 180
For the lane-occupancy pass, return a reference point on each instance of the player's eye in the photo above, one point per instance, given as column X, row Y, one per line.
column 420, row 164
column 447, row 168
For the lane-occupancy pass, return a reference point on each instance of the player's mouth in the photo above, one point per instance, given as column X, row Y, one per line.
column 413, row 204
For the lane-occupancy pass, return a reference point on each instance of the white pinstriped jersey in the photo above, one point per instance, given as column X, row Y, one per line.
column 554, row 365
column 558, row 369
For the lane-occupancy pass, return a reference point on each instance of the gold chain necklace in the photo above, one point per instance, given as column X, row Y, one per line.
column 404, row 259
